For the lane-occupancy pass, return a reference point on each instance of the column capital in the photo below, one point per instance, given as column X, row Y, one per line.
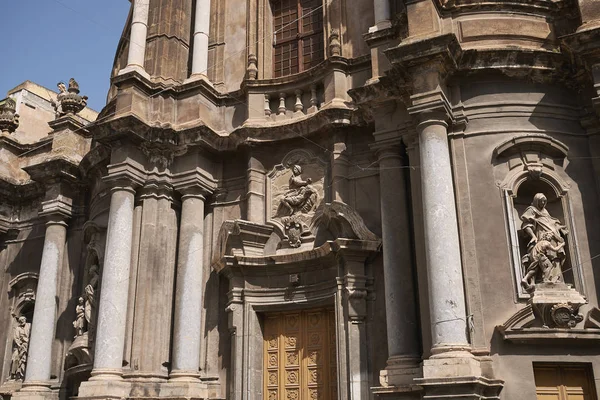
column 57, row 210
column 195, row 181
column 430, row 108
column 124, row 175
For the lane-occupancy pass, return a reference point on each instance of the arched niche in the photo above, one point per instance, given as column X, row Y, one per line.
column 535, row 165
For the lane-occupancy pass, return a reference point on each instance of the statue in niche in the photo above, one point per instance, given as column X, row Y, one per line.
column 20, row 345
column 90, row 293
column 301, row 196
column 80, row 319
column 545, row 249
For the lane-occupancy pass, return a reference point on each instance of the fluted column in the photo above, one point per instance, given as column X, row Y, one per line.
column 201, row 32
column 137, row 37
column 400, row 299
column 43, row 327
column 112, row 310
column 188, row 297
column 442, row 247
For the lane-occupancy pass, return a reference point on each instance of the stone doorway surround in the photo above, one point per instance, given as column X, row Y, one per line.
column 335, row 274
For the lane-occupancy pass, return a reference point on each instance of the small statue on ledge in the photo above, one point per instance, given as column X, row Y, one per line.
column 68, row 101
column 90, row 294
column 80, row 323
column 20, row 346
column 545, row 249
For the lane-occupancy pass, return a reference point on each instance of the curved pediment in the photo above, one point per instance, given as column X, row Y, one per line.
column 248, row 240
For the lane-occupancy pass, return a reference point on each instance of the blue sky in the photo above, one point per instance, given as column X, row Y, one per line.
column 47, row 41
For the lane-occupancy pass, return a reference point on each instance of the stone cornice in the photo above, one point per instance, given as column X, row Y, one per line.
column 545, row 7
column 131, row 128
column 412, row 53
column 58, row 167
column 71, row 122
column 19, row 148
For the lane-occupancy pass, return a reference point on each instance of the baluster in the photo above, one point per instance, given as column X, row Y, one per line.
column 298, row 107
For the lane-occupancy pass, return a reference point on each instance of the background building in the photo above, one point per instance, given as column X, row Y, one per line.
column 296, row 199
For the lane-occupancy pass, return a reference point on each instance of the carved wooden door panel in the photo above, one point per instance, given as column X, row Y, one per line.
column 299, row 356
column 564, row 382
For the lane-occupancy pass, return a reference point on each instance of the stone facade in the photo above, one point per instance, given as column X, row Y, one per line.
column 433, row 184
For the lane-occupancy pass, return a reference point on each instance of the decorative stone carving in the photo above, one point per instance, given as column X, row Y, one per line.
column 545, row 250
column 68, row 100
column 296, row 190
column 20, row 346
column 301, row 196
column 9, row 119
column 90, row 294
column 335, row 46
column 557, row 305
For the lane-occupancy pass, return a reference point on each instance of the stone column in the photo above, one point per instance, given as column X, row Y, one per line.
column 400, row 299
column 137, row 37
column 381, row 10
column 201, row 31
column 382, row 13
column 112, row 310
column 444, row 268
column 43, row 327
column 188, row 297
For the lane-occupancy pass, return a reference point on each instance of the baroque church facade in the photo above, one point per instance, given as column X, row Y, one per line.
column 306, row 199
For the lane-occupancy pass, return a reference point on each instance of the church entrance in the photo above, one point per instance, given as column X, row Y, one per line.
column 300, row 356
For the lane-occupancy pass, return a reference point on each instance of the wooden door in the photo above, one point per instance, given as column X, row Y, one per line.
column 564, row 382
column 299, row 356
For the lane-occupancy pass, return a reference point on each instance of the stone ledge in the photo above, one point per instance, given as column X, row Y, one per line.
column 554, row 335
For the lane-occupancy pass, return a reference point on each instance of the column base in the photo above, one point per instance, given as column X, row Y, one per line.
column 184, row 389
column 198, row 77
column 137, row 68
column 36, row 391
column 400, row 371
column 451, row 364
column 387, row 24
column 463, row 388
column 105, row 389
column 454, row 373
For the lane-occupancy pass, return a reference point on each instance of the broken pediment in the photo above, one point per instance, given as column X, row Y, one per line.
column 330, row 221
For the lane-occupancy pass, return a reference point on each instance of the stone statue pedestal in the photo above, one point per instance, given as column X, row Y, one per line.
column 557, row 305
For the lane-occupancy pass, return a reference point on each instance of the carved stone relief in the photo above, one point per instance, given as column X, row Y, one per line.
column 296, row 191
